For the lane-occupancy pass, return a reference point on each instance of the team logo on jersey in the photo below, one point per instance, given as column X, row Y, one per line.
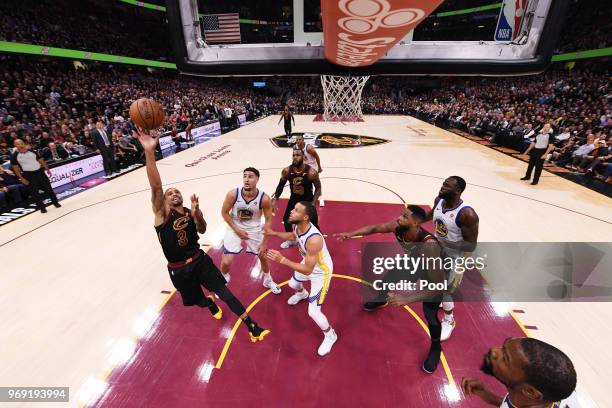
column 180, row 223
column 328, row 140
column 441, row 228
column 245, row 214
column 298, row 188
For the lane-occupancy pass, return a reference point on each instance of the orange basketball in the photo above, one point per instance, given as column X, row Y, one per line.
column 147, row 113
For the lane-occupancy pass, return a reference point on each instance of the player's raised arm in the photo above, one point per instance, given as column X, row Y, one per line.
column 368, row 230
column 149, row 141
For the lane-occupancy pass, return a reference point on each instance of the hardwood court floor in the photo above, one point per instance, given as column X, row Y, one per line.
column 82, row 286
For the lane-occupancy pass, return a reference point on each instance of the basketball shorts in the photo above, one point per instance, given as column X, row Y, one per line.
column 189, row 279
column 319, row 285
column 232, row 244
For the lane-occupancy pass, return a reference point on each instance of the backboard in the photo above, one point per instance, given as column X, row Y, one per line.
column 517, row 38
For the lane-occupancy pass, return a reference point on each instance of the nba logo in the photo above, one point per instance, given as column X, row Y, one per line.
column 510, row 18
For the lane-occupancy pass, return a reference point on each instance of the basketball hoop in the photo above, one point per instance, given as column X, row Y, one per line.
column 342, row 97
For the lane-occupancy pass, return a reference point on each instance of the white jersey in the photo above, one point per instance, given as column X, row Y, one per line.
column 308, row 158
column 247, row 214
column 570, row 402
column 446, row 222
column 324, row 265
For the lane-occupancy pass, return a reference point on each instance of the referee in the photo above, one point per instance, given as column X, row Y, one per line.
column 539, row 150
column 28, row 166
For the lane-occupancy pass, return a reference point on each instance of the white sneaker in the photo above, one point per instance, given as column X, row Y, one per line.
column 448, row 325
column 226, row 276
column 297, row 297
column 321, row 202
column 270, row 284
column 328, row 341
column 288, row 244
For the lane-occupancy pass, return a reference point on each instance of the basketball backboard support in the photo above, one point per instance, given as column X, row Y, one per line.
column 528, row 53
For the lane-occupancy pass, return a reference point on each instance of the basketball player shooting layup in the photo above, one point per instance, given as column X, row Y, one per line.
column 242, row 211
column 301, row 179
column 456, row 229
column 287, row 116
column 311, row 157
column 177, row 229
column 316, row 267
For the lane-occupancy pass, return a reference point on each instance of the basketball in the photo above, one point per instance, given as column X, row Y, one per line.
column 147, row 113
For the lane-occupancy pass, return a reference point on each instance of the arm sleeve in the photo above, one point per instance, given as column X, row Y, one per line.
column 280, row 187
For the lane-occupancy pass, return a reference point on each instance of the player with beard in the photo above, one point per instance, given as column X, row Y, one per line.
column 536, row 375
column 301, row 179
column 408, row 232
column 316, row 267
column 177, row 229
column 456, row 229
column 311, row 157
column 242, row 211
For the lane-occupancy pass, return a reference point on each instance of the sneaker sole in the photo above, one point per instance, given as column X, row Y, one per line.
column 263, row 334
column 219, row 314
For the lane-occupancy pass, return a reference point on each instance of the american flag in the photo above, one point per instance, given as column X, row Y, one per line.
column 221, row 28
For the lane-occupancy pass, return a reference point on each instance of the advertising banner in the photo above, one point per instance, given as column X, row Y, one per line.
column 69, row 172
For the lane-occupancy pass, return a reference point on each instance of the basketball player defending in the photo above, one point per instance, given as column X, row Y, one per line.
column 316, row 267
column 288, row 117
column 407, row 230
column 242, row 211
column 177, row 229
column 311, row 158
column 456, row 229
column 301, row 179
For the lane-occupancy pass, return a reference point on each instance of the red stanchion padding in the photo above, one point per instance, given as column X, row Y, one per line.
column 359, row 32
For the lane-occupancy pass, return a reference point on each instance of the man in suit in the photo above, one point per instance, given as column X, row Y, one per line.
column 55, row 153
column 103, row 144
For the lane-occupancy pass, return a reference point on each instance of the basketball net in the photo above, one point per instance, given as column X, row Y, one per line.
column 342, row 97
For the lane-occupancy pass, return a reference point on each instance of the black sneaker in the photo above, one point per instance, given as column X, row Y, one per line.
column 43, row 210
column 524, row 178
column 57, row 205
column 214, row 309
column 257, row 333
column 375, row 304
column 433, row 358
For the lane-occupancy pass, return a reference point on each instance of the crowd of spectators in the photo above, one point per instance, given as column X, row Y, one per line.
column 110, row 27
column 588, row 25
column 509, row 112
column 53, row 106
column 118, row 28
